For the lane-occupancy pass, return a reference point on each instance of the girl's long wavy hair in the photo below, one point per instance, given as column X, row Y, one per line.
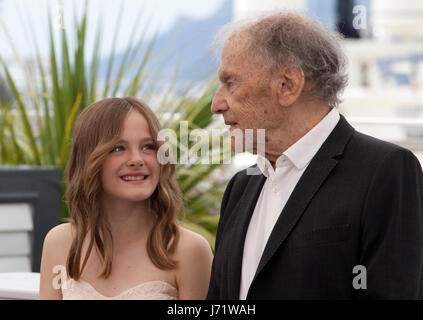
column 96, row 132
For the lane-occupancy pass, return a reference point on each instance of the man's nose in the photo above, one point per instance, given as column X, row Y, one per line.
column 219, row 104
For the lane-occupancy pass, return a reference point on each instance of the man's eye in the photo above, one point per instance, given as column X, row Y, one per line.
column 230, row 84
column 118, row 148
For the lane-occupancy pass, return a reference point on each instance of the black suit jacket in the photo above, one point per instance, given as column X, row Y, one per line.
column 358, row 203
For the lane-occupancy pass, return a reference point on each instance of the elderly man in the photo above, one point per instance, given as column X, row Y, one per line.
column 334, row 213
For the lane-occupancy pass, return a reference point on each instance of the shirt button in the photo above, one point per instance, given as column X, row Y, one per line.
column 275, row 189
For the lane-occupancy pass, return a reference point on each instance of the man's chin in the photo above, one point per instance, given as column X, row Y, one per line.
column 241, row 142
column 240, row 147
column 234, row 127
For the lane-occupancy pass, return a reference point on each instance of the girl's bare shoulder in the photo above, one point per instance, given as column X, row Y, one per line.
column 58, row 241
column 191, row 244
column 195, row 257
column 62, row 233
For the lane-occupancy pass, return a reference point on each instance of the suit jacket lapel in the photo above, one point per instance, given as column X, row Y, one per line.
column 309, row 183
column 243, row 213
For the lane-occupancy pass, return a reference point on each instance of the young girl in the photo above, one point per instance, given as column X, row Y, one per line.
column 123, row 241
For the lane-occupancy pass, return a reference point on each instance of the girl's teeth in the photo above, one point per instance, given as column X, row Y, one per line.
column 129, row 178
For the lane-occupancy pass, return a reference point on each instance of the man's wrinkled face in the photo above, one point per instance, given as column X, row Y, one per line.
column 244, row 98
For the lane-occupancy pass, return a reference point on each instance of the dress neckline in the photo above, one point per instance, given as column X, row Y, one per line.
column 125, row 291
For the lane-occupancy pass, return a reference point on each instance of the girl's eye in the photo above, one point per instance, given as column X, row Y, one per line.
column 118, row 148
column 149, row 147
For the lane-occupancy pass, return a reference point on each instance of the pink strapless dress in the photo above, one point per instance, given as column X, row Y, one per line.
column 150, row 290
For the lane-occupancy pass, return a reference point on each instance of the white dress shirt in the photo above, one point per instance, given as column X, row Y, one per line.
column 276, row 191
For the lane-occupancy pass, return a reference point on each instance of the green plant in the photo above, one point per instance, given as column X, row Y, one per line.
column 60, row 89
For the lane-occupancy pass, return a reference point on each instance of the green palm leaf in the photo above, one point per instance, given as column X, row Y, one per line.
column 64, row 85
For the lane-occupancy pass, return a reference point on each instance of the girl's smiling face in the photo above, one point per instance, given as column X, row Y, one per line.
column 131, row 171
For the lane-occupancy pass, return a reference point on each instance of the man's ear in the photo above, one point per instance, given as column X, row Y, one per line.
column 289, row 83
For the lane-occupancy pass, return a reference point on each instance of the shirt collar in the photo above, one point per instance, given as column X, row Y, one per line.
column 302, row 151
column 264, row 165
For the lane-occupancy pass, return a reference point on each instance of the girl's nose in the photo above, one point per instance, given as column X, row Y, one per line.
column 135, row 160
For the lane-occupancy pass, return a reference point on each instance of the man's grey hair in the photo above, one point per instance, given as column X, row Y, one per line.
column 286, row 39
